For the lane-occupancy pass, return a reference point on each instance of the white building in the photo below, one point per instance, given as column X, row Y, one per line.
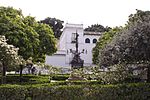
column 87, row 41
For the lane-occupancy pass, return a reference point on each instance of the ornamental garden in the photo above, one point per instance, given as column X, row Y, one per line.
column 121, row 57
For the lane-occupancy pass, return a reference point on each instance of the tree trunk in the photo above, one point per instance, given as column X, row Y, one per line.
column 148, row 74
column 4, row 71
column 21, row 67
column 4, row 74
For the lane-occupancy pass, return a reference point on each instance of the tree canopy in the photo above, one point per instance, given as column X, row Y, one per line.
column 55, row 24
column 9, row 59
column 132, row 44
column 103, row 40
column 32, row 38
column 97, row 28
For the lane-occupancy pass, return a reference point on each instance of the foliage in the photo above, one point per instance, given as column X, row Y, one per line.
column 97, row 28
column 55, row 24
column 75, row 92
column 8, row 55
column 44, row 79
column 131, row 45
column 26, row 79
column 32, row 38
column 60, row 77
column 51, row 70
column 103, row 40
column 47, row 43
column 114, row 74
column 78, row 73
column 138, row 17
column 40, row 79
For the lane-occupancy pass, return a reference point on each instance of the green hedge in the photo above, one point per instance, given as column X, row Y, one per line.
column 33, row 79
column 60, row 77
column 138, row 91
column 26, row 79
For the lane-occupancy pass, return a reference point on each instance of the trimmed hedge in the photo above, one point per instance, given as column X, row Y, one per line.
column 26, row 79
column 138, row 91
column 60, row 77
column 34, row 79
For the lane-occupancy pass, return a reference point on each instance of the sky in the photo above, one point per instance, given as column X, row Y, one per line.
column 87, row 12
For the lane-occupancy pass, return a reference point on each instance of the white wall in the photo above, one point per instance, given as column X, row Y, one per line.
column 56, row 60
column 89, row 46
column 62, row 41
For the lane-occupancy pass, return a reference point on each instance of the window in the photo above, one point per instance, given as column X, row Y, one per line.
column 87, row 40
column 94, row 40
column 73, row 38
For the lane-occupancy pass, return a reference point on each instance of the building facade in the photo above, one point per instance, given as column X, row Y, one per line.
column 86, row 40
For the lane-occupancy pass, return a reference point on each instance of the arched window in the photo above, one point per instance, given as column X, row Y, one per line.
column 94, row 40
column 87, row 40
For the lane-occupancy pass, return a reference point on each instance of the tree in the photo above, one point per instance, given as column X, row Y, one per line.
column 55, row 24
column 47, row 41
column 131, row 45
column 8, row 57
column 25, row 34
column 103, row 40
column 97, row 28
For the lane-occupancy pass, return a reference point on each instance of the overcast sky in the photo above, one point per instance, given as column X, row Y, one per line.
column 105, row 12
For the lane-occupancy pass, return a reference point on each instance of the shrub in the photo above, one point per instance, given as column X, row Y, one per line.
column 138, row 91
column 26, row 79
column 60, row 77
column 34, row 79
column 118, row 73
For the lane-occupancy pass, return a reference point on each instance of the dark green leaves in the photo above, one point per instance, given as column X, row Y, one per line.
column 32, row 38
